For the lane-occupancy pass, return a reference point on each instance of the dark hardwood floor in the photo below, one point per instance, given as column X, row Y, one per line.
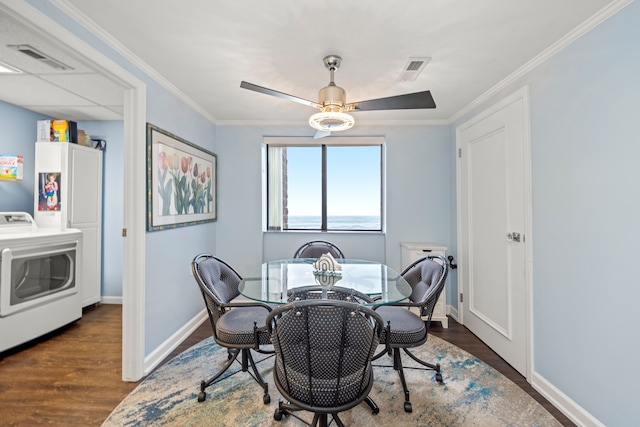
column 72, row 377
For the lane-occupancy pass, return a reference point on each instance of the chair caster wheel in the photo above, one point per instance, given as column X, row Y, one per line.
column 439, row 377
column 266, row 399
column 376, row 411
column 277, row 415
column 407, row 407
column 202, row 396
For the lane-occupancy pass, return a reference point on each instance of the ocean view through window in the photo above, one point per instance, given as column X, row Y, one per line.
column 337, row 222
column 324, row 187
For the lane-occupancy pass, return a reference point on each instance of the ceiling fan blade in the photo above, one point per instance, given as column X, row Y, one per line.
column 266, row 91
column 400, row 102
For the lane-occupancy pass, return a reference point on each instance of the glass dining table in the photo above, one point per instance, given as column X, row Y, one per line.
column 277, row 282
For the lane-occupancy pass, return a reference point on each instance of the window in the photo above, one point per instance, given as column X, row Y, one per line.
column 324, row 187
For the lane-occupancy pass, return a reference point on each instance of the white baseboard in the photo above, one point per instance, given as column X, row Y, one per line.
column 161, row 352
column 111, row 300
column 568, row 407
column 571, row 409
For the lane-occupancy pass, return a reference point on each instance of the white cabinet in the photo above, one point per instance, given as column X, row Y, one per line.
column 79, row 170
column 413, row 251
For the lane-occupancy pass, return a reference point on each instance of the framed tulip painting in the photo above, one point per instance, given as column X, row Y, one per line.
column 181, row 181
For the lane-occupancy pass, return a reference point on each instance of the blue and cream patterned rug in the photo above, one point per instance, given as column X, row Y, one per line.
column 473, row 394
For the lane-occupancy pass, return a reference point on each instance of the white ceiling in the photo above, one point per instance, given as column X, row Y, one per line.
column 78, row 94
column 205, row 48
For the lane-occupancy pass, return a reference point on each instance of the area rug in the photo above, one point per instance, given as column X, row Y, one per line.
column 473, row 394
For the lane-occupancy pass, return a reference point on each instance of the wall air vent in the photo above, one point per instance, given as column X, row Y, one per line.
column 42, row 57
column 413, row 68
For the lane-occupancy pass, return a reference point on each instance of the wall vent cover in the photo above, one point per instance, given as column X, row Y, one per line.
column 42, row 57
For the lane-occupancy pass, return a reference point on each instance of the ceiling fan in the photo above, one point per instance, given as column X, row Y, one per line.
column 333, row 105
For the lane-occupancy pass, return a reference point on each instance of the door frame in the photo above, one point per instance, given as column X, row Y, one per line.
column 134, row 192
column 523, row 94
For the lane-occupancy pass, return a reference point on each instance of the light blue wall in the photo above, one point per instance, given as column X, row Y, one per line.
column 19, row 129
column 586, row 181
column 417, row 189
column 172, row 297
column 585, row 104
column 113, row 206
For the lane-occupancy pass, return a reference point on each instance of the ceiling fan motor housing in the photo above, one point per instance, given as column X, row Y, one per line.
column 332, row 98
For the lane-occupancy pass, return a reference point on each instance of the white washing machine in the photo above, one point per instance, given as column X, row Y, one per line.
column 40, row 287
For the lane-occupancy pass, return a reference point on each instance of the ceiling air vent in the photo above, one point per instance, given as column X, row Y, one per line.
column 413, row 68
column 36, row 54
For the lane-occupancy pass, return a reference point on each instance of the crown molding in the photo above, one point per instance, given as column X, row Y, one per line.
column 94, row 28
column 554, row 49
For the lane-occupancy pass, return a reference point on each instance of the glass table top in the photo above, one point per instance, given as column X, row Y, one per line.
column 275, row 281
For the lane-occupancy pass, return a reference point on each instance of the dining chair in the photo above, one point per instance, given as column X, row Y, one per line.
column 404, row 328
column 323, row 352
column 317, row 248
column 240, row 326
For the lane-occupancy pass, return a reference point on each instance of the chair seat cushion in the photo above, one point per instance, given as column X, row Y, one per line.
column 407, row 328
column 325, row 393
column 235, row 327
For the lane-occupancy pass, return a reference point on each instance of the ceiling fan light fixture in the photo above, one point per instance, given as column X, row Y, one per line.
column 331, row 121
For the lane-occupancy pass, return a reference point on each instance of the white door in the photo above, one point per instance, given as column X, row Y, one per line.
column 494, row 200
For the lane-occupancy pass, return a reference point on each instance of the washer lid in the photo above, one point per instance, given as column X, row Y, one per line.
column 16, row 222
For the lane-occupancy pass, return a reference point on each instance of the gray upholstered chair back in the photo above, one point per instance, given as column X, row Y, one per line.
column 323, row 353
column 317, row 248
column 218, row 282
column 426, row 277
